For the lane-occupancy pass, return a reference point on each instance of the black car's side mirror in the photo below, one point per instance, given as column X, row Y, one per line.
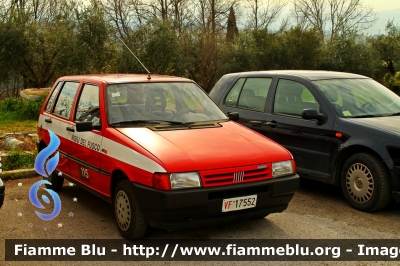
column 310, row 113
column 234, row 116
column 83, row 126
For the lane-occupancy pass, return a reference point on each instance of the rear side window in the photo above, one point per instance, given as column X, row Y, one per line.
column 64, row 102
column 53, row 97
column 250, row 93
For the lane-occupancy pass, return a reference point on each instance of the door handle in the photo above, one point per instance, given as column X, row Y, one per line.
column 70, row 129
column 256, row 122
column 47, row 120
column 272, row 124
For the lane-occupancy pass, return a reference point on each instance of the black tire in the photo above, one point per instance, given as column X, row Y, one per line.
column 365, row 182
column 56, row 182
column 129, row 217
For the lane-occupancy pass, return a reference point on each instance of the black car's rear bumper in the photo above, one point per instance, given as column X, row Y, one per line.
column 200, row 207
column 2, row 189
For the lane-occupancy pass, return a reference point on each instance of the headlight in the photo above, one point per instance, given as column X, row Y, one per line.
column 185, row 180
column 282, row 168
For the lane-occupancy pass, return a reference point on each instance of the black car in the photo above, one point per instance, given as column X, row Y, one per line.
column 342, row 129
column 1, row 192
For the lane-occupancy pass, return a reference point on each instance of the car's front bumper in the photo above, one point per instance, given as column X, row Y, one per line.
column 2, row 189
column 187, row 208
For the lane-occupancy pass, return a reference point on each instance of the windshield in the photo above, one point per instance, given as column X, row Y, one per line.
column 359, row 97
column 158, row 102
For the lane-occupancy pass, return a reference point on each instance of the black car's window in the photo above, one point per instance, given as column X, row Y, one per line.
column 53, row 97
column 251, row 95
column 233, row 95
column 64, row 102
column 292, row 98
column 88, row 108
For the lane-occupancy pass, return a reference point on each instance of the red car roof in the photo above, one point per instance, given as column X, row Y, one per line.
column 123, row 78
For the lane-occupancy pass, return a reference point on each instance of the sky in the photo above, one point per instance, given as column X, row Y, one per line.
column 380, row 5
column 385, row 10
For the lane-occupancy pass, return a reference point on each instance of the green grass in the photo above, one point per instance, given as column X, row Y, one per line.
column 18, row 160
column 12, row 126
column 17, row 115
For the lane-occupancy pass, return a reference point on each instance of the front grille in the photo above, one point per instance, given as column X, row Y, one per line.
column 237, row 175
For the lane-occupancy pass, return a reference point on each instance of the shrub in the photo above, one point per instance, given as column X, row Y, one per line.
column 18, row 109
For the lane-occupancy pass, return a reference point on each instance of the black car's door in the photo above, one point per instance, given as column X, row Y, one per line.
column 248, row 97
column 309, row 142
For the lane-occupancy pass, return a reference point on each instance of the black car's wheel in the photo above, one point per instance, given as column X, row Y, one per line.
column 365, row 182
column 128, row 214
column 56, row 182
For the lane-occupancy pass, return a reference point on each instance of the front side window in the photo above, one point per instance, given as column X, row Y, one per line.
column 65, row 100
column 180, row 102
column 88, row 108
column 292, row 98
column 233, row 96
column 250, row 93
column 359, row 97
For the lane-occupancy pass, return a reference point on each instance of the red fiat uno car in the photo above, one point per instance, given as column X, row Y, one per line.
column 162, row 153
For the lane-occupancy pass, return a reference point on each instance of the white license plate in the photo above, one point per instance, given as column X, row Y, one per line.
column 239, row 203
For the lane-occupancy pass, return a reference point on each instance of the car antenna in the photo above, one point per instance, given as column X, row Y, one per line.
column 148, row 72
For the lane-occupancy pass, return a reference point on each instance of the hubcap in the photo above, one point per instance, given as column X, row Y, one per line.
column 122, row 210
column 359, row 183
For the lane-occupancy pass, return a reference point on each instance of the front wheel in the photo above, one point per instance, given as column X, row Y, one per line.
column 365, row 182
column 128, row 214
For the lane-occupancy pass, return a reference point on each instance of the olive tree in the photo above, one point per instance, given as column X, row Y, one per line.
column 333, row 17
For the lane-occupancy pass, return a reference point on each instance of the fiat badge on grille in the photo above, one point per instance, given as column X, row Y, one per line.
column 238, row 177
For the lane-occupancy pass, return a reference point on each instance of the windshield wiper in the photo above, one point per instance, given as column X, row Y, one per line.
column 365, row 116
column 151, row 122
column 395, row 114
column 134, row 122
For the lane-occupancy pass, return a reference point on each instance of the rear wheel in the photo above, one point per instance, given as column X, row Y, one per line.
column 128, row 214
column 56, row 182
column 365, row 182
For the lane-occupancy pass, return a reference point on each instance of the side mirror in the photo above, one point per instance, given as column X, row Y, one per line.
column 83, row 126
column 234, row 116
column 310, row 113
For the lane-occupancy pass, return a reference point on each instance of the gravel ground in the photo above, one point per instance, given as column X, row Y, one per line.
column 317, row 211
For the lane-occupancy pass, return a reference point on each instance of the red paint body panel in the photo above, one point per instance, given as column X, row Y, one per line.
column 209, row 148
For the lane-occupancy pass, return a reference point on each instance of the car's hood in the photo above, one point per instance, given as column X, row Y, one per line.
column 230, row 145
column 387, row 123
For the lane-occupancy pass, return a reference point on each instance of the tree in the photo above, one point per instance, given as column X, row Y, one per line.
column 387, row 47
column 297, row 48
column 333, row 17
column 238, row 55
column 264, row 12
column 232, row 29
column 349, row 53
column 38, row 61
column 93, row 51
